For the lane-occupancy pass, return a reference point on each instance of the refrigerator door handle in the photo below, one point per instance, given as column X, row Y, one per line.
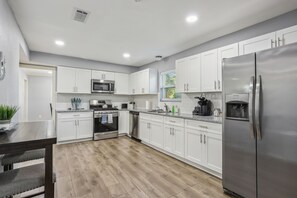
column 251, row 106
column 258, row 106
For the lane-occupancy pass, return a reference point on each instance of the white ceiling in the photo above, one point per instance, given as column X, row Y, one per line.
column 145, row 29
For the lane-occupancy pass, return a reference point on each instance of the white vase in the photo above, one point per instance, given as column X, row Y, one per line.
column 4, row 123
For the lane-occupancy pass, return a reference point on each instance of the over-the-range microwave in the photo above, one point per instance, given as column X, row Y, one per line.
column 102, row 86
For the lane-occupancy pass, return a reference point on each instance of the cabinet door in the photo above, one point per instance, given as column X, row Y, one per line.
column 83, row 81
column 179, row 141
column 108, row 75
column 180, row 69
column 121, row 83
column 97, row 75
column 209, row 73
column 143, row 80
column 168, row 139
column 144, row 131
column 225, row 52
column 66, row 130
column 194, row 74
column 132, row 83
column 156, row 132
column 66, row 80
column 194, row 145
column 287, row 36
column 256, row 44
column 84, row 128
column 123, row 122
column 213, row 151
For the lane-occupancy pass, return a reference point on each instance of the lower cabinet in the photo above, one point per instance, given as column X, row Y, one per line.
column 156, row 134
column 174, row 140
column 144, row 131
column 74, row 126
column 194, row 145
column 124, row 122
column 213, row 151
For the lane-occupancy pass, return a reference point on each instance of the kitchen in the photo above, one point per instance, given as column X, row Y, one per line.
column 136, row 119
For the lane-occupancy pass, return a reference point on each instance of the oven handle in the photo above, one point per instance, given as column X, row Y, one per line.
column 114, row 115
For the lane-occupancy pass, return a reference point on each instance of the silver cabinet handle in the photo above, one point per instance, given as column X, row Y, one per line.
column 201, row 138
column 204, row 139
column 215, row 85
column 184, row 87
column 201, row 126
column 251, row 106
column 219, row 84
column 272, row 43
column 172, row 131
column 281, row 41
column 187, row 87
column 258, row 106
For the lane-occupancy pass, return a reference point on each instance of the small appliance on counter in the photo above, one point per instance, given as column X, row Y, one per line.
column 131, row 105
column 203, row 108
column 124, row 106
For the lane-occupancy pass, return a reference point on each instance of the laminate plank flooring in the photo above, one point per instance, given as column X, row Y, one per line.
column 120, row 168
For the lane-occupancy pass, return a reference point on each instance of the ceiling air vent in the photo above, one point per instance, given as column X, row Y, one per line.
column 80, row 15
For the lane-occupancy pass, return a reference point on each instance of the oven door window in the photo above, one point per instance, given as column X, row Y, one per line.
column 97, row 86
column 103, row 126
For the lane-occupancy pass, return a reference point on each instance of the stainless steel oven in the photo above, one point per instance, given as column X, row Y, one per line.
column 102, row 86
column 106, row 124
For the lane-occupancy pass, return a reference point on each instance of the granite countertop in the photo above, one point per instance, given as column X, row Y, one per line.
column 212, row 119
column 72, row 110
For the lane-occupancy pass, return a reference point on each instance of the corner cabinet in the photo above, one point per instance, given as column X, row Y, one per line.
column 121, row 84
column 74, row 126
column 188, row 74
column 71, row 80
column 144, row 82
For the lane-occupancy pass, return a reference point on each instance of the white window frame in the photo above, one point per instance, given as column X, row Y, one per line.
column 164, row 87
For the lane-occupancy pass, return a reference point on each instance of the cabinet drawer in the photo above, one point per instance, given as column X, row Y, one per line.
column 157, row 118
column 70, row 115
column 145, row 116
column 174, row 121
column 206, row 126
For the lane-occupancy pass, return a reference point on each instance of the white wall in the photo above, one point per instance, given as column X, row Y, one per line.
column 39, row 97
column 11, row 40
column 23, row 96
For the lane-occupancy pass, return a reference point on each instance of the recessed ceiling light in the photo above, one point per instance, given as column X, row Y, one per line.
column 126, row 55
column 192, row 19
column 49, row 72
column 59, row 43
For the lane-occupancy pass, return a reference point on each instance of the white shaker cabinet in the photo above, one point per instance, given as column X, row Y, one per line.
column 124, row 122
column 209, row 71
column 181, row 68
column 121, row 84
column 174, row 137
column 156, row 134
column 84, row 128
column 287, row 36
column 144, row 131
column 103, row 75
column 71, row 80
column 228, row 51
column 256, row 44
column 66, row 130
column 213, row 151
column 194, row 145
column 144, row 82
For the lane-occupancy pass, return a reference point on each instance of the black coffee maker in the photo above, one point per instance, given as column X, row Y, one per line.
column 203, row 108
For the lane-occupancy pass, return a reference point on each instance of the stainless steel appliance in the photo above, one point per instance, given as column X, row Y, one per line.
column 133, row 125
column 102, row 86
column 260, row 124
column 106, row 121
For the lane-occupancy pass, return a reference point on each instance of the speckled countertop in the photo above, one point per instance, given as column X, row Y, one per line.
column 212, row 119
column 73, row 111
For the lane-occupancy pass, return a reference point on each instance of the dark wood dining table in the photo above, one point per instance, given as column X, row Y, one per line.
column 29, row 136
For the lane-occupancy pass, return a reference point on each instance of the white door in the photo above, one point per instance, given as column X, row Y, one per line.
column 179, row 141
column 168, row 139
column 66, row 80
column 84, row 128
column 66, row 129
column 213, row 151
column 83, row 81
column 123, row 122
column 181, row 69
column 144, row 131
column 287, row 36
column 156, row 133
column 121, row 83
column 209, row 73
column 225, row 52
column 194, row 74
column 257, row 44
column 194, row 145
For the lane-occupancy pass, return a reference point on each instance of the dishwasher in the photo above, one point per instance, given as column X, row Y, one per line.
column 134, row 128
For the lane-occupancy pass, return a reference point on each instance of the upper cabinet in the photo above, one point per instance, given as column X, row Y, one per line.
column 228, row 51
column 209, row 71
column 287, row 36
column 144, row 82
column 188, row 74
column 103, row 75
column 71, row 80
column 121, row 84
column 256, row 44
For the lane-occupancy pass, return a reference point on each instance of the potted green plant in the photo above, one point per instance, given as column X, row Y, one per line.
column 6, row 114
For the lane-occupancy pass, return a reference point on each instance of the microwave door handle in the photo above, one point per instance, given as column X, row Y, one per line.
column 251, row 106
column 258, row 107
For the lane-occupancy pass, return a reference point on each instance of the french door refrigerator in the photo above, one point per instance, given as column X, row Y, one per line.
column 260, row 124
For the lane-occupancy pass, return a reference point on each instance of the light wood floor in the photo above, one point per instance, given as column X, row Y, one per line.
column 124, row 168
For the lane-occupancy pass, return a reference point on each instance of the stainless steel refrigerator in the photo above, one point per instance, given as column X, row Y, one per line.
column 260, row 124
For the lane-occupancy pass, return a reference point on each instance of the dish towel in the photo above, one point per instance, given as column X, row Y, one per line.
column 104, row 119
column 110, row 119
